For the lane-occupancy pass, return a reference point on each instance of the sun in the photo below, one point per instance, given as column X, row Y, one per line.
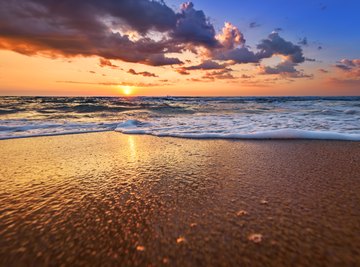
column 127, row 90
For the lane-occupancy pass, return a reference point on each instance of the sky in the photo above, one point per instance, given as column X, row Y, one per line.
column 176, row 48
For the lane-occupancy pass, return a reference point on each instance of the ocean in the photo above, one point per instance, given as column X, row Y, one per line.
column 330, row 118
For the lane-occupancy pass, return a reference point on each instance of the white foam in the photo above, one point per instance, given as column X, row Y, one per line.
column 23, row 128
column 132, row 123
column 275, row 134
column 185, row 131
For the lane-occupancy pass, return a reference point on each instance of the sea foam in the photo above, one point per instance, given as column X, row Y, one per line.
column 273, row 134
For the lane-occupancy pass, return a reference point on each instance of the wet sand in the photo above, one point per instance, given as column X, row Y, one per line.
column 107, row 199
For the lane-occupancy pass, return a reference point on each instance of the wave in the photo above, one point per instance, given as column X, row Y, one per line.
column 23, row 128
column 80, row 108
column 332, row 118
column 134, row 127
column 10, row 111
column 146, row 128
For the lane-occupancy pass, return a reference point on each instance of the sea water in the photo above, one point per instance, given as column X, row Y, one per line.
column 332, row 118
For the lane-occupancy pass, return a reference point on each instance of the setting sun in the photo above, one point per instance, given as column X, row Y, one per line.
column 127, row 90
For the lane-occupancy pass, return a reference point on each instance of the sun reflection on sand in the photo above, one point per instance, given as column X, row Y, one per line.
column 132, row 148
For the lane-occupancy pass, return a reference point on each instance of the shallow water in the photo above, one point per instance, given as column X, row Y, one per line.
column 120, row 200
column 237, row 117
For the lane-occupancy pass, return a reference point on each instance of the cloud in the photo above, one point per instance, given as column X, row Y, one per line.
column 196, row 80
column 237, row 56
column 143, row 73
column 207, row 65
column 224, row 74
column 303, row 42
column 193, row 27
column 323, row 70
column 350, row 63
column 323, row 7
column 234, row 49
column 254, row 24
column 276, row 45
column 80, row 28
column 137, row 31
column 285, row 68
column 343, row 67
column 182, row 71
column 140, row 15
column 99, row 28
column 347, row 75
column 107, row 63
column 230, row 37
column 244, row 76
column 350, row 67
column 113, row 83
column 209, row 76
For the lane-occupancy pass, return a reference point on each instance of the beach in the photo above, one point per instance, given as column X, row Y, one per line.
column 109, row 199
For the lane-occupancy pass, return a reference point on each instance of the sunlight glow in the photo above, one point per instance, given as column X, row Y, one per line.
column 127, row 90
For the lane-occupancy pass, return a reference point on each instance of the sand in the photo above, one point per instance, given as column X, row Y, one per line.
column 120, row 200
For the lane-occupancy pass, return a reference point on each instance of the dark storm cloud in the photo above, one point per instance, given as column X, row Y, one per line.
column 122, row 30
column 73, row 28
column 141, row 15
column 93, row 28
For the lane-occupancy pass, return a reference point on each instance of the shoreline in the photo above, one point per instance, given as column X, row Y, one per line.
column 184, row 137
column 113, row 199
